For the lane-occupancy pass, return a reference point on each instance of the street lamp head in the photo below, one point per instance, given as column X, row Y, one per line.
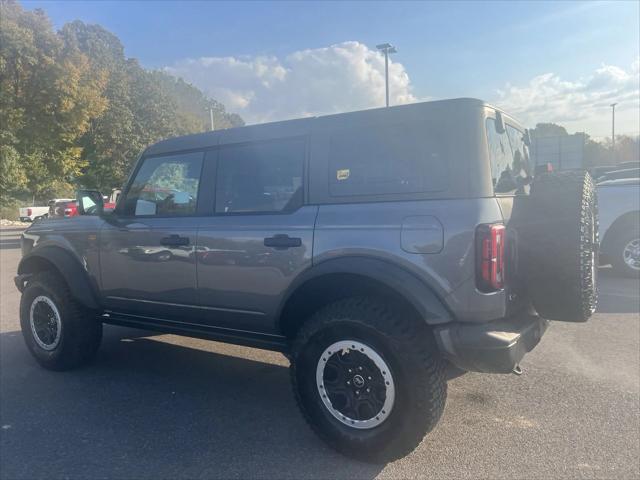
column 386, row 48
column 613, row 104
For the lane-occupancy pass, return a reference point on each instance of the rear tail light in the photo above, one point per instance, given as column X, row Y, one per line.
column 490, row 243
column 70, row 210
column 29, row 212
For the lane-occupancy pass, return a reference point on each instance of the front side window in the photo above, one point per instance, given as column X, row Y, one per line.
column 260, row 177
column 501, row 157
column 165, row 186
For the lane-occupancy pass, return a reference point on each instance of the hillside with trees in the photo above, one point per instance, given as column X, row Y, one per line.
column 75, row 111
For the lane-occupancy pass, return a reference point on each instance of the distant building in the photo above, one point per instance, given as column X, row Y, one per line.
column 564, row 152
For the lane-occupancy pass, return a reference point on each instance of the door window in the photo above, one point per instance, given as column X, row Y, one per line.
column 165, row 186
column 260, row 177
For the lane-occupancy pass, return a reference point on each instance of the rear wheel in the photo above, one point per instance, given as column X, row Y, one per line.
column 368, row 379
column 58, row 331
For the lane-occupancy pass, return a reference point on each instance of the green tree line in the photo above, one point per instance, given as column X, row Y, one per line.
column 75, row 111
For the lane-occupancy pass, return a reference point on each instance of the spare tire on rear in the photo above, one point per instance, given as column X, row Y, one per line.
column 559, row 246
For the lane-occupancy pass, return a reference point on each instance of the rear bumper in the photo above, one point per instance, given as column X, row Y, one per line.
column 493, row 347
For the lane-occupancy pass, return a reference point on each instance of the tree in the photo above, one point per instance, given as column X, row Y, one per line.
column 74, row 110
column 595, row 153
column 143, row 107
column 47, row 97
column 193, row 105
column 627, row 149
column 548, row 130
column 12, row 177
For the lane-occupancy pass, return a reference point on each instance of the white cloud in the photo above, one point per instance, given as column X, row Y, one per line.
column 579, row 105
column 342, row 77
column 350, row 76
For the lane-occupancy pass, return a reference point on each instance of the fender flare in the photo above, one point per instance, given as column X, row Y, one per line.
column 415, row 290
column 80, row 284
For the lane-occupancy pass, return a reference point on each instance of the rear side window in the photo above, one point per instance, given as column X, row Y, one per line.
column 501, row 159
column 260, row 177
column 521, row 164
column 387, row 159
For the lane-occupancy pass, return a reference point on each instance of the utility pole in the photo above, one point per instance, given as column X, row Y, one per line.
column 211, row 117
column 613, row 131
column 387, row 49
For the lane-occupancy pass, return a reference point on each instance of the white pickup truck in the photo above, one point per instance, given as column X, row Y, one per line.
column 619, row 205
column 31, row 214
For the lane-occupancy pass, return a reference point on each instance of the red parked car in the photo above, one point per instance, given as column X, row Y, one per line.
column 69, row 208
column 63, row 209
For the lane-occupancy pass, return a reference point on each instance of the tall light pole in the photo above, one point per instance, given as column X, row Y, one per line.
column 613, row 130
column 387, row 49
column 211, row 117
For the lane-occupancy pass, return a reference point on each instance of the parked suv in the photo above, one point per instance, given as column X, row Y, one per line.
column 376, row 249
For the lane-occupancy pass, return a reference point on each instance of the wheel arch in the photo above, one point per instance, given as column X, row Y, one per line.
column 56, row 259
column 344, row 277
column 625, row 220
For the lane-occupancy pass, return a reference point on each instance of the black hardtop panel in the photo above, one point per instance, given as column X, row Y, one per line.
column 303, row 126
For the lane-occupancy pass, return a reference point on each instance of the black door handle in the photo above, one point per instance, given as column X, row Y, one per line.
column 174, row 241
column 282, row 242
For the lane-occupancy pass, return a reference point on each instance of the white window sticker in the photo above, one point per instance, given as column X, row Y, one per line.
column 343, row 174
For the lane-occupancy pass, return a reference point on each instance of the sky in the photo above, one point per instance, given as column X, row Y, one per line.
column 563, row 62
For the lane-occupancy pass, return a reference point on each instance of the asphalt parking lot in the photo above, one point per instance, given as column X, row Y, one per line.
column 160, row 406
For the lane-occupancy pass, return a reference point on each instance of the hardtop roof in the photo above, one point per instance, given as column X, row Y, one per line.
column 296, row 127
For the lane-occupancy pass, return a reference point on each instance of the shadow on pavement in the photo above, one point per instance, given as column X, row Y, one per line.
column 147, row 409
column 617, row 294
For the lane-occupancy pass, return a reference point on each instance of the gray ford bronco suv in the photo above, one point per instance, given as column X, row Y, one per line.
column 376, row 249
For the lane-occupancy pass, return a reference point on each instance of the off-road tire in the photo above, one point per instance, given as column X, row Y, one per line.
column 617, row 247
column 406, row 344
column 80, row 332
column 559, row 245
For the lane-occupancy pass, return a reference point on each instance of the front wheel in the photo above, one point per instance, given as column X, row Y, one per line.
column 368, row 379
column 59, row 332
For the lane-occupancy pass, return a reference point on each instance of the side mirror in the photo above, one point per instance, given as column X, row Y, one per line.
column 89, row 202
